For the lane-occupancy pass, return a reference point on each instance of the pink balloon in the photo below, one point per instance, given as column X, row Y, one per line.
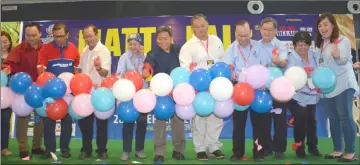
column 184, row 94
column 7, row 97
column 282, row 89
column 144, row 101
column 256, row 76
column 66, row 76
column 224, row 109
column 186, row 112
column 105, row 115
column 82, row 106
column 68, row 98
column 20, row 107
column 242, row 76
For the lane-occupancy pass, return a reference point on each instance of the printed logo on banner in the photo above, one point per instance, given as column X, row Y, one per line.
column 49, row 36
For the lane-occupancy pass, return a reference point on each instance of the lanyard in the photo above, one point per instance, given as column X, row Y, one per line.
column 243, row 56
column 133, row 63
column 206, row 47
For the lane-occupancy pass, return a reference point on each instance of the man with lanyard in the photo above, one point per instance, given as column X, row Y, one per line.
column 57, row 57
column 278, row 55
column 202, row 51
column 95, row 61
column 241, row 54
column 23, row 58
column 164, row 58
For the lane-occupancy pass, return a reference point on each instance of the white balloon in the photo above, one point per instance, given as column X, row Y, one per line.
column 221, row 89
column 297, row 75
column 124, row 90
column 161, row 84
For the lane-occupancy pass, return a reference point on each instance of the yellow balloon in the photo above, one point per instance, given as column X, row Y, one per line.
column 148, row 79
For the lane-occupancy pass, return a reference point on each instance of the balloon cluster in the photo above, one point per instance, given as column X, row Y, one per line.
column 201, row 92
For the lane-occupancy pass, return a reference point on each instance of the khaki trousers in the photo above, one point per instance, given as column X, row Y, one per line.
column 21, row 133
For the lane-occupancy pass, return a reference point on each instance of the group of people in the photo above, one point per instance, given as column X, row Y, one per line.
column 201, row 51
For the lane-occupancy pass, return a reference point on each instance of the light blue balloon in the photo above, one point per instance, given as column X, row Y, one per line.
column 102, row 99
column 204, row 104
column 323, row 78
column 180, row 75
column 328, row 90
column 41, row 111
column 241, row 108
column 4, row 79
column 72, row 113
column 274, row 72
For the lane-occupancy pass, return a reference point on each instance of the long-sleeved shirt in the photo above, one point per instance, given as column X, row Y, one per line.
column 203, row 53
column 307, row 95
column 345, row 77
column 23, row 58
column 161, row 61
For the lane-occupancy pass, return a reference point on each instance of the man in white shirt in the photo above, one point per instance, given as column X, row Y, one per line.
column 95, row 61
column 202, row 51
column 278, row 52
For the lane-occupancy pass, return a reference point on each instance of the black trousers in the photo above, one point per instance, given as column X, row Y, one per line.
column 65, row 136
column 277, row 142
column 128, row 131
column 87, row 130
column 305, row 124
column 5, row 127
column 258, row 120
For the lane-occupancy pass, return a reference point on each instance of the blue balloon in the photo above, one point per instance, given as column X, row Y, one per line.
column 73, row 114
column 241, row 108
column 200, row 79
column 41, row 111
column 102, row 99
column 4, row 79
column 262, row 102
column 180, row 75
column 34, row 96
column 126, row 112
column 220, row 69
column 204, row 104
column 328, row 90
column 20, row 82
column 323, row 77
column 274, row 73
column 55, row 88
column 164, row 108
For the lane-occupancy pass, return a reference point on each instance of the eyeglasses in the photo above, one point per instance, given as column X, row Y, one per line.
column 60, row 37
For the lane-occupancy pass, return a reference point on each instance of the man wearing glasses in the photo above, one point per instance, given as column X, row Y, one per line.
column 58, row 57
column 95, row 61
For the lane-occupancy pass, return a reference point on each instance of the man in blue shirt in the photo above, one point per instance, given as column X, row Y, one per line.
column 163, row 59
column 241, row 54
column 278, row 58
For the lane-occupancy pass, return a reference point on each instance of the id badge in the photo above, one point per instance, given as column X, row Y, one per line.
column 310, row 84
column 210, row 63
column 321, row 61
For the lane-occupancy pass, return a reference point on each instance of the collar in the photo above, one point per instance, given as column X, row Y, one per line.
column 26, row 45
column 58, row 46
column 97, row 46
column 130, row 55
column 273, row 42
column 298, row 57
column 158, row 49
column 252, row 43
column 195, row 39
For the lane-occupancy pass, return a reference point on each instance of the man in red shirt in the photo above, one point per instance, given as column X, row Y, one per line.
column 57, row 57
column 23, row 58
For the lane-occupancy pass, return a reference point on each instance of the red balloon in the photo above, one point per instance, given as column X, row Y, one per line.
column 243, row 93
column 43, row 77
column 57, row 110
column 80, row 83
column 135, row 77
column 109, row 82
